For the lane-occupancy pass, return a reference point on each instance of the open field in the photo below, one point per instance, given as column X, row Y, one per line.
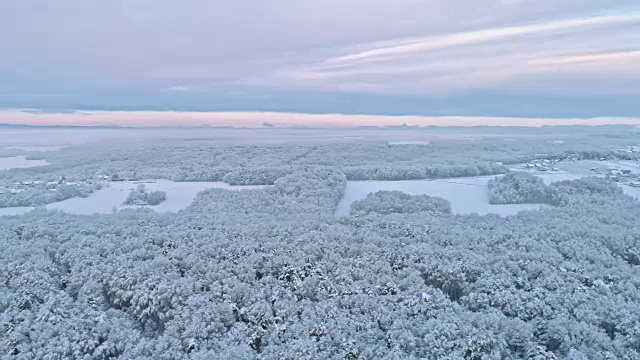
column 111, row 197
column 17, row 162
column 467, row 195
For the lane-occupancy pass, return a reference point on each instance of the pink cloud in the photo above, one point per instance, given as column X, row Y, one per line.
column 256, row 119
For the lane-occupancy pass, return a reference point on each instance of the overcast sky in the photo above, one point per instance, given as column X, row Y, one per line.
column 522, row 58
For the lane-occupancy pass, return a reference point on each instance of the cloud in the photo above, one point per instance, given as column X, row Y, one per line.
column 483, row 36
column 511, row 57
column 631, row 56
column 413, row 47
column 179, row 88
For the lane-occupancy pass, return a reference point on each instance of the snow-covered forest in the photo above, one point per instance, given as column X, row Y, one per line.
column 272, row 273
column 451, row 154
column 142, row 196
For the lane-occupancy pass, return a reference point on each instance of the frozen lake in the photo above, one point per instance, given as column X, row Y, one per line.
column 104, row 201
column 16, row 162
column 467, row 195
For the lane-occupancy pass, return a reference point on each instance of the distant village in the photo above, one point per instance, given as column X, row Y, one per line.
column 62, row 181
column 18, row 187
column 631, row 149
column 542, row 165
column 608, row 169
column 618, row 174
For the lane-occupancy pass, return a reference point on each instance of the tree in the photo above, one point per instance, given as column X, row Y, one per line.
column 388, row 202
column 141, row 196
column 517, row 188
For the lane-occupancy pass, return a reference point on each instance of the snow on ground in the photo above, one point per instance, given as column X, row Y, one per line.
column 16, row 162
column 572, row 170
column 623, row 165
column 634, row 192
column 14, row 210
column 104, row 201
column 470, row 195
column 36, row 148
column 584, row 166
column 467, row 195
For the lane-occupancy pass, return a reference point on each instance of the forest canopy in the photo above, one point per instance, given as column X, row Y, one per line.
column 272, row 273
column 517, row 188
column 522, row 187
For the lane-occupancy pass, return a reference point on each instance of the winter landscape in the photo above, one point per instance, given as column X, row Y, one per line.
column 429, row 243
column 320, row 180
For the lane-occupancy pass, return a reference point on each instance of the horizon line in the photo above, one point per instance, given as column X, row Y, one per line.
column 266, row 119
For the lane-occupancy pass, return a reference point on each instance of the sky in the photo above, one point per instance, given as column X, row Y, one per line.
column 435, row 58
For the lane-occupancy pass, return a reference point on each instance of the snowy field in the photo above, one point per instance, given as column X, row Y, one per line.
column 631, row 191
column 104, row 201
column 16, row 162
column 36, row 148
column 467, row 195
column 470, row 195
